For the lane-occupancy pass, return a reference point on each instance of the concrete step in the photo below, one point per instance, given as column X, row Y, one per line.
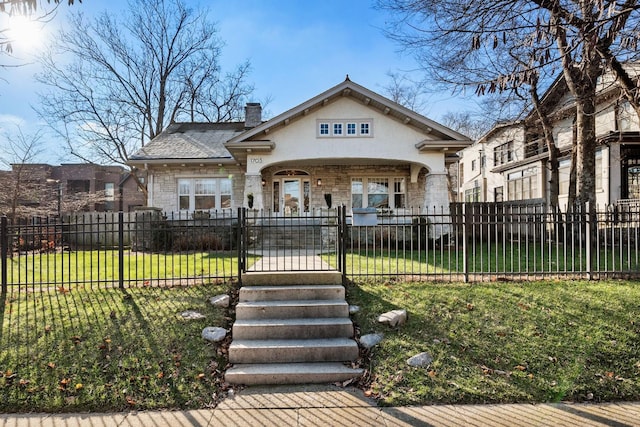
column 290, row 373
column 292, row 328
column 291, row 309
column 292, row 278
column 283, row 293
column 293, row 351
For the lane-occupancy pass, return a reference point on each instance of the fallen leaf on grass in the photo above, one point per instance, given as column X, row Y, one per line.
column 432, row 374
column 521, row 368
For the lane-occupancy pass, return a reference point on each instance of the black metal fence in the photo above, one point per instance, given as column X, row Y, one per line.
column 119, row 250
column 466, row 242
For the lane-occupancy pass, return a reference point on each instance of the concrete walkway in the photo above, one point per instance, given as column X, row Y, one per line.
column 332, row 406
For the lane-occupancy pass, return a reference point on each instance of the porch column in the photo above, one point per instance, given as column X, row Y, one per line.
column 436, row 199
column 253, row 185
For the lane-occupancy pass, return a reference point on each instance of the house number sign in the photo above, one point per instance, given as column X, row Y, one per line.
column 256, row 160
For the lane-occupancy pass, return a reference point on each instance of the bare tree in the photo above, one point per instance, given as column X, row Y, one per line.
column 19, row 187
column 406, row 91
column 132, row 74
column 569, row 37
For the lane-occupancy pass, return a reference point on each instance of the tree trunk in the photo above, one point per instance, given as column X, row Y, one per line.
column 586, row 150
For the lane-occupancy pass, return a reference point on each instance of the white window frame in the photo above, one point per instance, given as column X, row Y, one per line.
column 396, row 191
column 344, row 128
column 221, row 193
column 523, row 184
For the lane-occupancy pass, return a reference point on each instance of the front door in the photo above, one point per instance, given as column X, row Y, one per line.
column 291, row 196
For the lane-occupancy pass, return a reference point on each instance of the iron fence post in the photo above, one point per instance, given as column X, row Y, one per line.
column 465, row 245
column 4, row 244
column 240, row 243
column 342, row 233
column 587, row 220
column 121, row 249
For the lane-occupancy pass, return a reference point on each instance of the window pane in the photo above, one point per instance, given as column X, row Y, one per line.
column 225, row 201
column 183, row 187
column 378, row 186
column 364, row 128
column 356, row 200
column 337, row 128
column 225, row 186
column 351, row 128
column 378, row 200
column 205, row 186
column 205, row 202
column 184, row 202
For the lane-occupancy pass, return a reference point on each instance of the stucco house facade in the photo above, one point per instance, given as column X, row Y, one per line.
column 510, row 162
column 346, row 146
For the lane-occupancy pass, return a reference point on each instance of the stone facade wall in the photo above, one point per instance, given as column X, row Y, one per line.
column 336, row 180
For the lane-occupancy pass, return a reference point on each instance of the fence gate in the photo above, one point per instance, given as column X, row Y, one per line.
column 305, row 241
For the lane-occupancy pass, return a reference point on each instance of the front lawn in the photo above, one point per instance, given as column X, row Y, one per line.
column 503, row 342
column 110, row 350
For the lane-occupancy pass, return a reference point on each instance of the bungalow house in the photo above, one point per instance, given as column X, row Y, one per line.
column 510, row 162
column 347, row 145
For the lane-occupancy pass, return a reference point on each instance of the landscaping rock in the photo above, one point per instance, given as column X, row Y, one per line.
column 192, row 315
column 214, row 333
column 393, row 318
column 220, row 300
column 370, row 340
column 420, row 360
column 353, row 309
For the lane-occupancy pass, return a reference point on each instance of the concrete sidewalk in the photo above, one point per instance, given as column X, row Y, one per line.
column 332, row 406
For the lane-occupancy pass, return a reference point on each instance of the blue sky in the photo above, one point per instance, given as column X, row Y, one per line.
column 297, row 49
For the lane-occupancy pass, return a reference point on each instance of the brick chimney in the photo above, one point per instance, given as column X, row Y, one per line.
column 252, row 115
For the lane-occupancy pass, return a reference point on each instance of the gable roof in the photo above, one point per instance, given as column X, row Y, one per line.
column 230, row 142
column 364, row 96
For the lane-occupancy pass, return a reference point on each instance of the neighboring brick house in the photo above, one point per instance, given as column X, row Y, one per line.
column 348, row 145
column 68, row 183
column 510, row 162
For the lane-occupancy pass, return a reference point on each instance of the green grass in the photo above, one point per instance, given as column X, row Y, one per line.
column 504, row 342
column 485, row 259
column 87, row 266
column 106, row 350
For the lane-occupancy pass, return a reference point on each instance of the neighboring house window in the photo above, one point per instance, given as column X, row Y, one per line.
column 503, row 153
column 109, row 196
column 472, row 194
column 498, row 194
column 204, row 193
column 378, row 192
column 337, row 128
column 598, row 167
column 351, row 128
column 364, row 128
column 523, row 185
column 563, row 176
column 324, row 128
column 473, row 165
